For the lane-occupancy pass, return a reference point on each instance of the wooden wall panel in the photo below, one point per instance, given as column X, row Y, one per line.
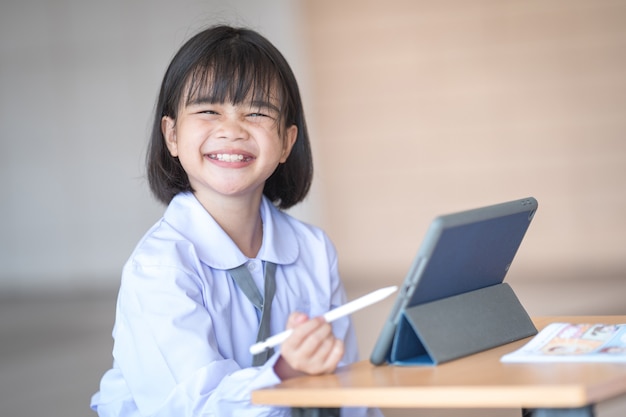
column 424, row 108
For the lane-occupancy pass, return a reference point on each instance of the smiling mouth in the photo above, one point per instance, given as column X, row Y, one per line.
column 227, row 157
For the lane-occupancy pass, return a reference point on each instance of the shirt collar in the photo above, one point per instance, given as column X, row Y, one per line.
column 216, row 249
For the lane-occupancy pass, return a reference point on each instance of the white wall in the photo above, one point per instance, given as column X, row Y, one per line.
column 78, row 81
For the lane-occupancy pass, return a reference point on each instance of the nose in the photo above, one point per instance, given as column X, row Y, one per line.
column 232, row 128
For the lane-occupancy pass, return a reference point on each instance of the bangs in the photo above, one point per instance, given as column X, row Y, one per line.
column 228, row 75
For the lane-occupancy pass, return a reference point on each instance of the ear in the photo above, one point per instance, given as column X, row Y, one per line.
column 168, row 128
column 291, row 134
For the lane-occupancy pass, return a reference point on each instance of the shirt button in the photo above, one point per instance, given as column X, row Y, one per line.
column 252, row 266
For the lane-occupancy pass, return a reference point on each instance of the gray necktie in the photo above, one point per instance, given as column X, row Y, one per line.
column 244, row 280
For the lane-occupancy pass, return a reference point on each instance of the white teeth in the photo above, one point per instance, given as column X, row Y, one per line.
column 226, row 157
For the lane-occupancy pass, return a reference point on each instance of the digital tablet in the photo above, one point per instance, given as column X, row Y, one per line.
column 461, row 252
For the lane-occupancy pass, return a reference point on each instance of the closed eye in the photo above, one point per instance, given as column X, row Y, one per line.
column 263, row 109
column 262, row 116
column 259, row 114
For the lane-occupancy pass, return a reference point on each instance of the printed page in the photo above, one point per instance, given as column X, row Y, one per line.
column 567, row 342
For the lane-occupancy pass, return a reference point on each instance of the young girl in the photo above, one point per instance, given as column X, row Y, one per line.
column 229, row 149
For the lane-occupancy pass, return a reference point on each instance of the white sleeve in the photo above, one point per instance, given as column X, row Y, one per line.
column 166, row 349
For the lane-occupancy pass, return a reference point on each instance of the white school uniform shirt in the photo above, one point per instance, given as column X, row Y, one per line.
column 183, row 328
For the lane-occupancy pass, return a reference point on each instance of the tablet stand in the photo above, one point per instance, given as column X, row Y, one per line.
column 457, row 326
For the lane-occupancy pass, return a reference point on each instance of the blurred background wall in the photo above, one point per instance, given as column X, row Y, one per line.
column 78, row 82
column 416, row 108
column 425, row 107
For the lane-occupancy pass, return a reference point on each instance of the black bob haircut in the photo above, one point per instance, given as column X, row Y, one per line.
column 226, row 64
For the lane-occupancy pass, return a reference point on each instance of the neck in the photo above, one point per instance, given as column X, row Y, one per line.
column 240, row 219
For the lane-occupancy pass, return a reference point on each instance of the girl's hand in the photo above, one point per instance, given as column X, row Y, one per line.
column 312, row 348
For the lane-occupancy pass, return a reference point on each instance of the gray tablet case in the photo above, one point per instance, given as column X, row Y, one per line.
column 453, row 301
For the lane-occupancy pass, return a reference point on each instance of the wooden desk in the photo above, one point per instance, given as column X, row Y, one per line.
column 476, row 381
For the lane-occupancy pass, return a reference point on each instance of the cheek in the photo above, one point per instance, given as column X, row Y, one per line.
column 191, row 137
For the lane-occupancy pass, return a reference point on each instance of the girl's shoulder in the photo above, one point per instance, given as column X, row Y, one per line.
column 302, row 229
column 161, row 244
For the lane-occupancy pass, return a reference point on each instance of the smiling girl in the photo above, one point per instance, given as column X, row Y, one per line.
column 229, row 150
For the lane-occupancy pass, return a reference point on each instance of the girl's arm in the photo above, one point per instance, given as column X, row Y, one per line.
column 167, row 353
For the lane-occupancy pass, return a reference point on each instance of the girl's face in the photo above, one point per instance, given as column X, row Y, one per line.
column 226, row 149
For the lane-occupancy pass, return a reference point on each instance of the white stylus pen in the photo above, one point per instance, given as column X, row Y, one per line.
column 332, row 315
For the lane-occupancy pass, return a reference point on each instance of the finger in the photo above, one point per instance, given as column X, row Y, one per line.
column 296, row 318
column 332, row 357
column 304, row 340
column 301, row 330
column 326, row 358
column 335, row 355
column 319, row 358
column 310, row 336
